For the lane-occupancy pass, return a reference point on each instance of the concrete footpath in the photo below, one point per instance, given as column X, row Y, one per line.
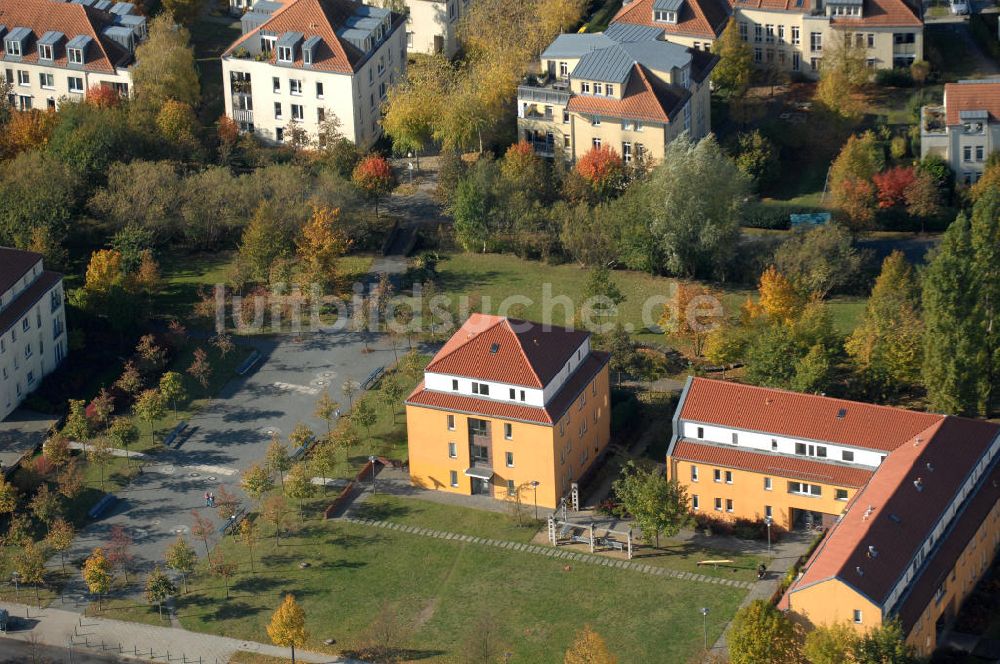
column 136, row 641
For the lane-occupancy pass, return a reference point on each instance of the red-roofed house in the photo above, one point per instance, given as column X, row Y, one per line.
column 965, row 130
column 790, row 34
column 508, row 403
column 55, row 50
column 626, row 88
column 909, row 499
column 300, row 64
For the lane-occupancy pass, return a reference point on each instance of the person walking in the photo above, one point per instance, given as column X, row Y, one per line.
column 207, row 502
column 211, row 500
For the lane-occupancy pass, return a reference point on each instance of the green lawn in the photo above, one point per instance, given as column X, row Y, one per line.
column 439, row 589
column 497, row 276
column 450, row 518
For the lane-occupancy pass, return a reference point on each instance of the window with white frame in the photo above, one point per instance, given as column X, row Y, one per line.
column 729, row 504
column 75, row 56
column 509, row 458
column 804, row 489
column 729, row 477
column 23, row 77
column 298, row 113
column 45, row 51
column 452, row 451
column 451, row 422
column 75, row 84
column 284, row 54
column 480, row 388
column 767, row 484
column 718, row 504
column 695, row 502
column 13, row 47
column 277, row 110
column 694, row 473
column 664, row 16
column 743, row 31
column 717, row 475
column 596, row 143
column 816, row 41
column 453, row 477
column 295, row 86
column 47, row 81
column 508, row 430
column 795, row 35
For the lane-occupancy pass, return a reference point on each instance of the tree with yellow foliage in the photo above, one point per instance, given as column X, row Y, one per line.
column 589, row 648
column 321, row 244
column 779, row 299
column 696, row 310
column 97, row 574
column 288, row 625
column 103, row 271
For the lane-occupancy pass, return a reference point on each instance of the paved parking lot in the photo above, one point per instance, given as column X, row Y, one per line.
column 230, row 434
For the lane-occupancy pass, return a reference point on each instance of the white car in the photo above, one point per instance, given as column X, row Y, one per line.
column 959, row 8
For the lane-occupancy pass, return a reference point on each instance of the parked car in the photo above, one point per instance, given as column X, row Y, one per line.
column 959, row 8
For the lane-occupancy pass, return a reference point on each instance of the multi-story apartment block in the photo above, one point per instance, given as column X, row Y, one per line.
column 965, row 130
column 432, row 26
column 307, row 60
column 506, row 406
column 54, row 50
column 625, row 88
column 908, row 500
column 32, row 325
column 790, row 35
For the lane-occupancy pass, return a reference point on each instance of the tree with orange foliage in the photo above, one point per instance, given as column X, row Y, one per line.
column 26, row 130
column 603, row 168
column 892, row 185
column 779, row 299
column 695, row 312
column 373, row 175
column 103, row 96
column 323, row 241
column 522, row 167
column 228, row 132
column 856, row 200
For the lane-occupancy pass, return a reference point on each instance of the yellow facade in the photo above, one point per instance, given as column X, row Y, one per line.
column 749, row 494
column 833, row 601
column 440, row 448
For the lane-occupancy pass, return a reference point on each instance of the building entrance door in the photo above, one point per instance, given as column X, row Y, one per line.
column 480, row 486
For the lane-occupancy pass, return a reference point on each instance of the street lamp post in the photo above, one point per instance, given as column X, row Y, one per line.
column 371, row 460
column 14, row 576
column 767, row 522
column 534, row 489
column 704, row 616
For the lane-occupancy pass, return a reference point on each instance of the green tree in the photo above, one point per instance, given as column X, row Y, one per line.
column 249, row 535
column 165, row 66
column 184, row 11
column 657, row 505
column 122, row 433
column 732, row 74
column 172, row 389
column 277, row 460
column 24, row 208
column 829, row 644
column 391, row 392
column 158, row 588
column 77, row 427
column 883, row 645
column 820, row 260
column 887, row 346
column 469, row 210
column 299, row 486
column 256, row 481
column 603, row 293
column 181, row 557
column 761, row 634
column 149, row 407
column 29, row 563
column 8, row 496
column 45, row 505
column 326, row 410
column 758, row 157
column 843, row 72
column 60, row 538
column 100, row 453
column 696, row 234
column 364, row 414
column 960, row 296
column 263, row 242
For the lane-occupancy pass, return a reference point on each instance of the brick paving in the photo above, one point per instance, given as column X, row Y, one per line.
column 552, row 552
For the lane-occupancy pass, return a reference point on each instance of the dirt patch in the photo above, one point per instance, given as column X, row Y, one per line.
column 426, row 613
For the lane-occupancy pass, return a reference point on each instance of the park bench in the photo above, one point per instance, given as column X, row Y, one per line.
column 372, row 378
column 248, row 363
column 300, row 451
column 102, row 505
column 173, row 438
column 233, row 521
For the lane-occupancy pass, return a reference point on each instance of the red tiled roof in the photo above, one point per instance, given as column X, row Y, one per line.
column 526, row 353
column 644, row 98
column 511, row 410
column 805, row 416
column 894, row 13
column 697, row 18
column 319, row 18
column 772, row 464
column 972, row 96
column 41, row 16
column 947, row 452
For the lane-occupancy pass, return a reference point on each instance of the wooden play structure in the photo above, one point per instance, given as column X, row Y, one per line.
column 566, row 532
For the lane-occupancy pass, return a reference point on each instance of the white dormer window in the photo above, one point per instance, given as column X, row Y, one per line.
column 13, row 48
column 75, row 56
column 307, row 56
column 45, row 51
column 663, row 16
column 609, row 90
column 598, row 88
column 284, row 54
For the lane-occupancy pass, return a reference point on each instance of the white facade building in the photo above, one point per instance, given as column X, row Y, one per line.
column 301, row 63
column 965, row 130
column 32, row 325
column 432, row 26
column 54, row 50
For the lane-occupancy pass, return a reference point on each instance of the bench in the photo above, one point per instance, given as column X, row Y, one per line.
column 300, row 451
column 373, row 378
column 612, row 543
column 173, row 438
column 248, row 363
column 231, row 523
column 102, row 505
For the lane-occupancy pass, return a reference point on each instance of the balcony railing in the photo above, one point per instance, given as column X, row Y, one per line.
column 533, row 114
column 242, row 115
column 545, row 148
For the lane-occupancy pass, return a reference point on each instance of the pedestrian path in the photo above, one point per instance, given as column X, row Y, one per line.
column 164, row 467
column 66, row 629
column 552, row 552
column 115, row 451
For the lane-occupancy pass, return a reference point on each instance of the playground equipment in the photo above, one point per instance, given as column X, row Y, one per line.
column 584, row 533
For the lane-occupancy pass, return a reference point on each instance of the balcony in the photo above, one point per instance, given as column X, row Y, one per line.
column 243, row 115
column 544, row 148
column 932, row 120
column 545, row 89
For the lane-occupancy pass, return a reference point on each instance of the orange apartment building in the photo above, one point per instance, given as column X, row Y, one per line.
column 506, row 404
column 909, row 499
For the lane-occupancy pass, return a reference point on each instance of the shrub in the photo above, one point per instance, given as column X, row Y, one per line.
column 898, row 77
column 762, row 216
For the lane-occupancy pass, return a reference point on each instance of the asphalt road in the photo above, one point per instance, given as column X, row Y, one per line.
column 19, row 652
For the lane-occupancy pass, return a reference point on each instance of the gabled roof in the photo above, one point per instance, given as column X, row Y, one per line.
column 644, row 98
column 886, row 13
column 507, row 350
column 72, row 20
column 779, row 465
column 14, row 264
column 972, row 95
column 804, row 416
column 899, row 508
column 325, row 19
column 697, row 18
